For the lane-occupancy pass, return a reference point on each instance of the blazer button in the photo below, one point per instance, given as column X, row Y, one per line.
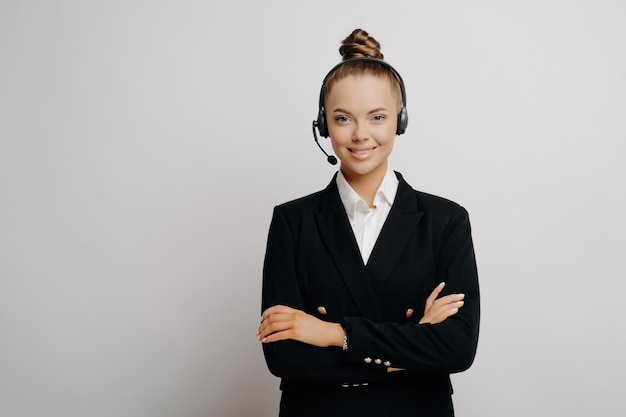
column 387, row 363
column 409, row 313
column 377, row 361
column 368, row 360
column 322, row 310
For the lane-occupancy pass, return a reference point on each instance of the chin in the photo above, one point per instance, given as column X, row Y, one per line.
column 362, row 170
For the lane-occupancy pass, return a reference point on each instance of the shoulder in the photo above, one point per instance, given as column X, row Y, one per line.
column 303, row 210
column 306, row 203
column 320, row 201
column 442, row 214
column 438, row 214
column 433, row 203
column 430, row 203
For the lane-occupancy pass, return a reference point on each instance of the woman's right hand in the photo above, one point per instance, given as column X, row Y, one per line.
column 438, row 310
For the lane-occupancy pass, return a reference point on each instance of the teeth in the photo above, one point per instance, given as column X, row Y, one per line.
column 360, row 150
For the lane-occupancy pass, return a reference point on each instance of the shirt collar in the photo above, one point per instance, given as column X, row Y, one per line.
column 352, row 202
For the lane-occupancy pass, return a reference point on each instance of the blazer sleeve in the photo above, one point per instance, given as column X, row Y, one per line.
column 291, row 359
column 447, row 347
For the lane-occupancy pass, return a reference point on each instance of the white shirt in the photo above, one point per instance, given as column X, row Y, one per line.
column 367, row 222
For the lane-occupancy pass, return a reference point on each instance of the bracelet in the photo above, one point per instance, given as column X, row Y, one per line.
column 344, row 347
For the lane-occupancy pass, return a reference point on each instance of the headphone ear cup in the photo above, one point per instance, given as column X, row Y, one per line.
column 403, row 121
column 321, row 124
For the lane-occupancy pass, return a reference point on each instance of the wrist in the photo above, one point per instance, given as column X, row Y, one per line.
column 338, row 336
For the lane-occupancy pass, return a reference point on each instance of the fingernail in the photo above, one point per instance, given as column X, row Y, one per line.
column 442, row 284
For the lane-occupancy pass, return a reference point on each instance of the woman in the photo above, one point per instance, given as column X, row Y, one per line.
column 348, row 269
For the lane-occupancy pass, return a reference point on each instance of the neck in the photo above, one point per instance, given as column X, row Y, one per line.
column 366, row 185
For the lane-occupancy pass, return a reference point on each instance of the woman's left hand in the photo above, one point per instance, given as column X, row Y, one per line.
column 438, row 310
column 281, row 322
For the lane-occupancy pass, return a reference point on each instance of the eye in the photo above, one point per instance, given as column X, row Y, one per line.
column 378, row 118
column 342, row 119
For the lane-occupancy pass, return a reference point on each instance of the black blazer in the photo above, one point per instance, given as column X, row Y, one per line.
column 313, row 263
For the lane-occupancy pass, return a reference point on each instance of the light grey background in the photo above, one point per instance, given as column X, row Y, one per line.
column 143, row 145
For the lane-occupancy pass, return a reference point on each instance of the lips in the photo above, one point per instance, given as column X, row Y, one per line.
column 362, row 153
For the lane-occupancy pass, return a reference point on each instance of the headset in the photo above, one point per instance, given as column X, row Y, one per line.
column 322, row 126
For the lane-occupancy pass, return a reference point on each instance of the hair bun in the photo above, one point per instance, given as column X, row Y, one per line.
column 359, row 44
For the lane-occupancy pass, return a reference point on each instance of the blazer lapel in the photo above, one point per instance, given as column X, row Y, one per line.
column 400, row 225
column 334, row 227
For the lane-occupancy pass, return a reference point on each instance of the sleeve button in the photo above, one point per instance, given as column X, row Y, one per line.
column 378, row 361
column 367, row 360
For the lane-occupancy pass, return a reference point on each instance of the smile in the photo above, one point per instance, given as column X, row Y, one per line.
column 361, row 151
column 361, row 154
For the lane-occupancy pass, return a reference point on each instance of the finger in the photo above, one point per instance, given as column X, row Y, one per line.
column 445, row 309
column 441, row 312
column 275, row 337
column 433, row 295
column 448, row 299
column 276, row 309
column 278, row 316
column 275, row 321
column 449, row 312
column 276, row 327
column 455, row 307
column 281, row 326
column 270, row 310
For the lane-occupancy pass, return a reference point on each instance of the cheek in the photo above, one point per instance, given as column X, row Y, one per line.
column 388, row 147
column 388, row 135
column 338, row 137
column 336, row 146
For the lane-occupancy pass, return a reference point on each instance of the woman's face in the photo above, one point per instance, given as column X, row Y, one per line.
column 362, row 114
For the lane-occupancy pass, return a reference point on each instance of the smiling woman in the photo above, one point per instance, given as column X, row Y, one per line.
column 346, row 268
column 362, row 129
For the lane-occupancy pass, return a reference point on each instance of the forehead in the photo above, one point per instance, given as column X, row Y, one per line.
column 365, row 89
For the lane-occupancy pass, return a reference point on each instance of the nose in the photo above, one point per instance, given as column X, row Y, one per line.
column 360, row 132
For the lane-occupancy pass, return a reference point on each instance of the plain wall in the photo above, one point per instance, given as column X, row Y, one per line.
column 143, row 145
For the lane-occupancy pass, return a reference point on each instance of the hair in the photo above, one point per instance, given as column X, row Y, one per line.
column 359, row 44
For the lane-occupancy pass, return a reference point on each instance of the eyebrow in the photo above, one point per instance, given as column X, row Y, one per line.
column 376, row 110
